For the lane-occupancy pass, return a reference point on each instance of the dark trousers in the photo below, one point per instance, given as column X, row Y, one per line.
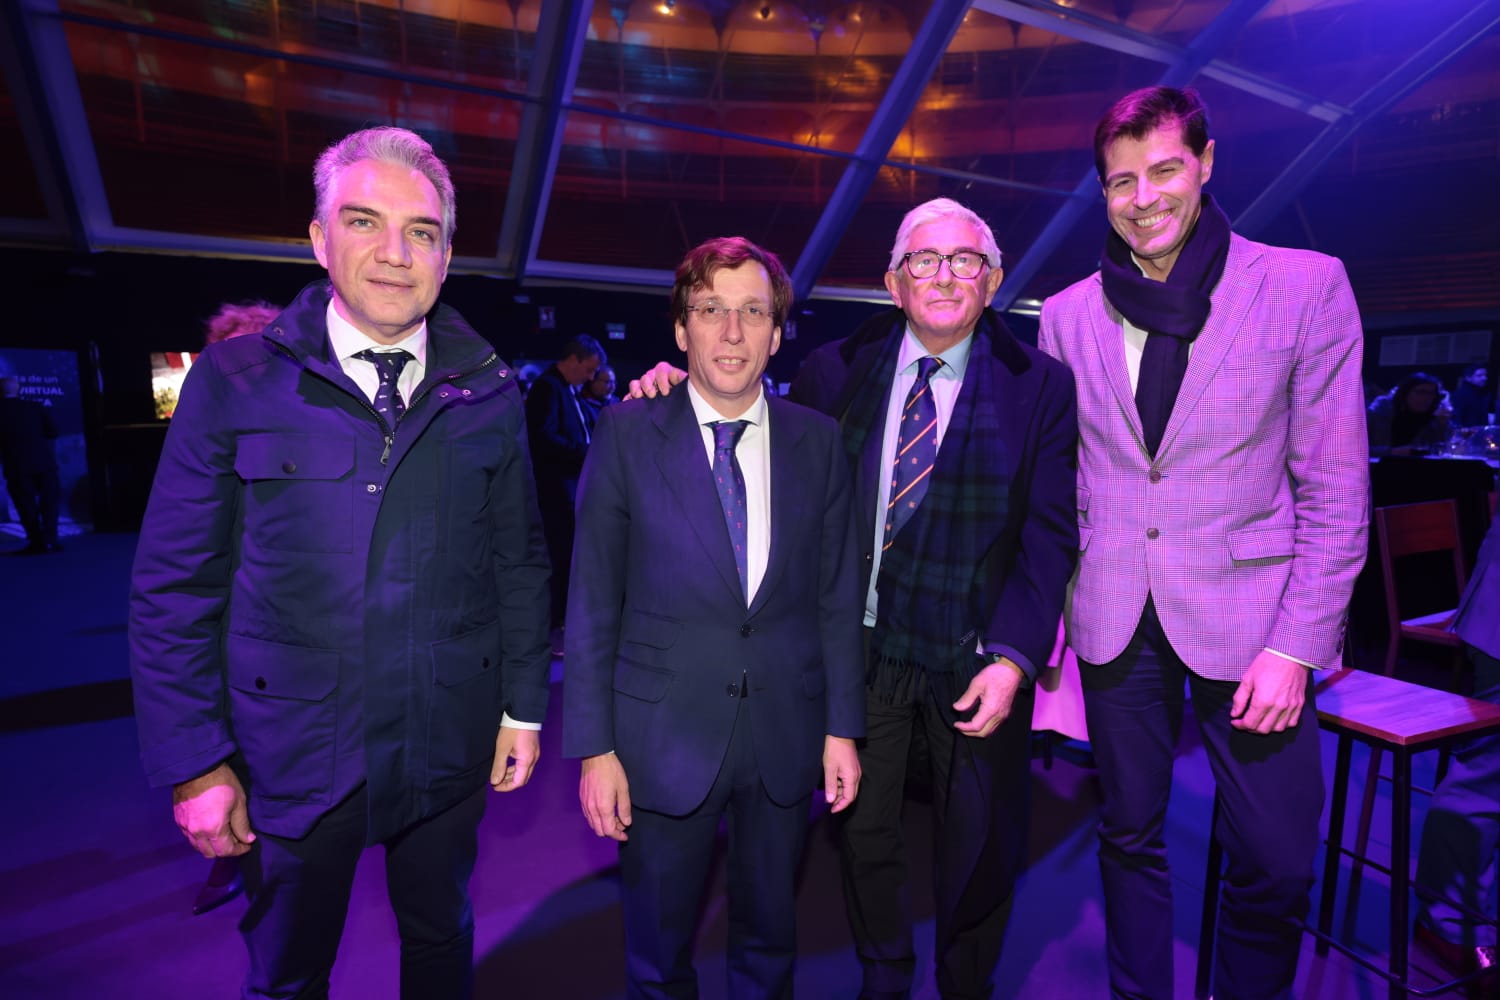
column 664, row 868
column 557, row 529
column 1271, row 792
column 299, row 897
column 36, row 495
column 1460, row 854
column 980, row 796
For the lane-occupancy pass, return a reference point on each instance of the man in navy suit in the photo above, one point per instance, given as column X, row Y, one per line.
column 714, row 668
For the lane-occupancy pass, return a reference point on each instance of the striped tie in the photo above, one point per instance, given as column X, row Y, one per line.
column 916, row 451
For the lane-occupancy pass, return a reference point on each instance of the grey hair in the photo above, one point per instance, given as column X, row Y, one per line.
column 934, row 211
column 386, row 144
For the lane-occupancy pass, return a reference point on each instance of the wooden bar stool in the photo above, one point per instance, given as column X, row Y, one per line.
column 1386, row 714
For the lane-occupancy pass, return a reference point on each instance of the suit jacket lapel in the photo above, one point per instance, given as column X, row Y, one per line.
column 787, row 497
column 1109, row 336
column 685, row 469
column 1232, row 300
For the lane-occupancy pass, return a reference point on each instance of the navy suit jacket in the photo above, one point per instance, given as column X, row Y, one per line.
column 558, row 430
column 658, row 632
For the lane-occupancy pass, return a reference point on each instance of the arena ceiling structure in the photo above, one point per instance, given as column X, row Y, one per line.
column 593, row 141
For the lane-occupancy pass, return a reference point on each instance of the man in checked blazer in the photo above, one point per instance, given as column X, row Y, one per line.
column 1223, row 498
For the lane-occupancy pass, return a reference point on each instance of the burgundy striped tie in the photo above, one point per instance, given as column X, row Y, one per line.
column 916, row 450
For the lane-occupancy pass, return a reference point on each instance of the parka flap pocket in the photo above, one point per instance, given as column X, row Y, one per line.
column 466, row 656
column 293, row 456
column 642, row 682
column 1269, row 542
column 278, row 670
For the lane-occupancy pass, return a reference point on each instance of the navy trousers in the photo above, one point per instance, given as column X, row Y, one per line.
column 1271, row 791
column 1461, row 835
column 664, row 869
column 299, row 897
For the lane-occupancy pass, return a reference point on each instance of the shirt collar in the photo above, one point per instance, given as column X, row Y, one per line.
column 347, row 341
column 706, row 414
column 955, row 359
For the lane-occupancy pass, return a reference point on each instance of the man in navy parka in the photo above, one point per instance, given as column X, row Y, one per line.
column 338, row 623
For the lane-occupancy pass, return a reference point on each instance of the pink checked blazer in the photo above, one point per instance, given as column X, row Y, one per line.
column 1250, row 526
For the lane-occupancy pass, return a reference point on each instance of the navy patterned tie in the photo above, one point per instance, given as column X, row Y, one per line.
column 388, row 365
column 731, row 485
column 916, row 451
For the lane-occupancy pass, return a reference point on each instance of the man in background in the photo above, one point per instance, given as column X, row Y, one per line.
column 29, row 461
column 559, row 426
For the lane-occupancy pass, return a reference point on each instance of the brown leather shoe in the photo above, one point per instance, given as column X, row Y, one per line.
column 223, row 884
column 1456, row 958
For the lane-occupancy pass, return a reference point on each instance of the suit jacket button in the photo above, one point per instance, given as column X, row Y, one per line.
column 745, row 631
column 260, row 683
column 731, row 690
column 1152, row 533
column 289, row 467
column 1154, row 476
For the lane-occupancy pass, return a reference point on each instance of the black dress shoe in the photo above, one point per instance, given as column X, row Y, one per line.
column 223, row 884
column 1456, row 958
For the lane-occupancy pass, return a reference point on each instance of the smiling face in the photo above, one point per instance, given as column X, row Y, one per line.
column 725, row 361
column 942, row 309
column 384, row 248
column 1154, row 189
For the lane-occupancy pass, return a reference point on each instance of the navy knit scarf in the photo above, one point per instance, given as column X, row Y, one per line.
column 1172, row 312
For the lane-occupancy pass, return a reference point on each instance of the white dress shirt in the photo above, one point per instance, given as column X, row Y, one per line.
column 754, row 455
column 348, row 341
column 945, row 384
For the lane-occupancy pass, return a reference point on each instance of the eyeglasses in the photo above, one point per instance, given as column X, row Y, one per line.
column 716, row 314
column 964, row 264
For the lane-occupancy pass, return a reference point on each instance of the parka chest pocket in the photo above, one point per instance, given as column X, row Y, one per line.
column 297, row 496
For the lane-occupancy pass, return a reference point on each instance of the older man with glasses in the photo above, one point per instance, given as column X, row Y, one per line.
column 961, row 442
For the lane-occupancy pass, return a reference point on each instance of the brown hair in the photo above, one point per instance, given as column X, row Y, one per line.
column 698, row 268
column 1148, row 109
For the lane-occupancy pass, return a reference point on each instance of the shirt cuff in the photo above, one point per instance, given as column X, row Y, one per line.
column 1028, row 669
column 1284, row 656
column 506, row 722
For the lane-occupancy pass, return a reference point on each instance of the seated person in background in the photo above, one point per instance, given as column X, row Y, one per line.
column 1461, row 836
column 1412, row 418
column 1471, row 400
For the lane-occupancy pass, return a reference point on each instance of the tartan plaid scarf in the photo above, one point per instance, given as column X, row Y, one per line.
column 926, row 622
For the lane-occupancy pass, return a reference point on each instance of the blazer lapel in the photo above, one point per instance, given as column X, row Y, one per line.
column 1109, row 336
column 685, row 469
column 787, row 496
column 1232, row 300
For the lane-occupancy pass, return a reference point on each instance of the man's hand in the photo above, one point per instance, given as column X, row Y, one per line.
column 994, row 688
column 658, row 380
column 211, row 813
column 840, row 772
column 516, row 754
column 605, row 796
column 1270, row 696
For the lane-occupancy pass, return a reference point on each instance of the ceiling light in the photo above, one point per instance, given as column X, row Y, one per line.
column 765, row 12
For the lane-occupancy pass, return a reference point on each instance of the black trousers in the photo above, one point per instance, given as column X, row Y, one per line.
column 981, row 791
column 299, row 898
column 1271, row 791
column 36, row 495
